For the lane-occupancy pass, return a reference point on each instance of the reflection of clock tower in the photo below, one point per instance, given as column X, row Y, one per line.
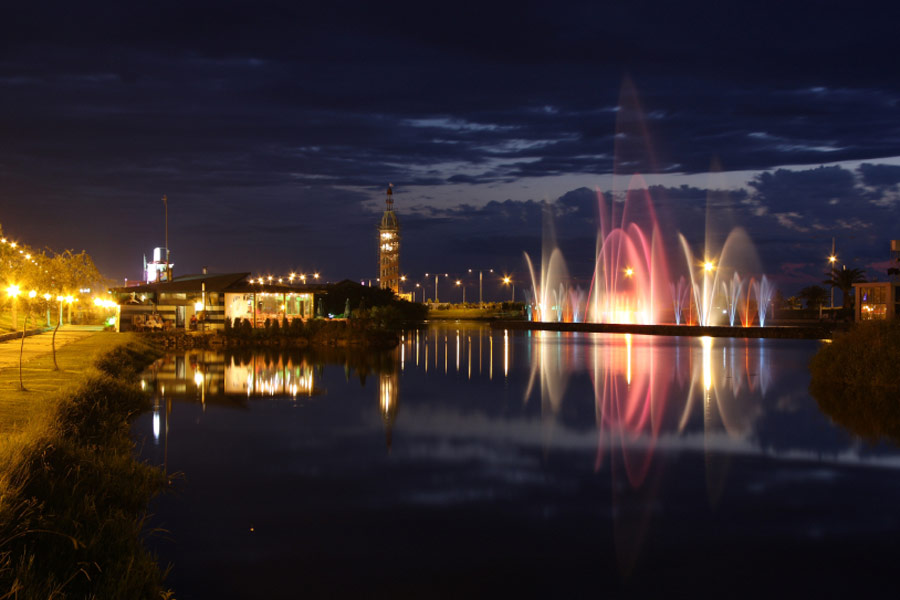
column 388, row 398
column 389, row 246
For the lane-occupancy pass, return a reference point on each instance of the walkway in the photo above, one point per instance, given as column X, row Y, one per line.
column 77, row 348
column 36, row 345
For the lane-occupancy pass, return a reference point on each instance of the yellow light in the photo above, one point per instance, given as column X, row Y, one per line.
column 458, row 282
column 403, row 278
column 12, row 244
column 60, row 298
column 832, row 259
column 13, row 291
column 198, row 378
column 47, row 297
column 506, row 280
column 316, row 275
column 32, row 294
column 198, row 306
column 707, row 266
column 3, row 240
column 629, row 272
column 28, row 256
column 70, row 299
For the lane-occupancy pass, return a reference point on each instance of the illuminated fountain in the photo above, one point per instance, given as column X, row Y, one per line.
column 634, row 280
column 644, row 272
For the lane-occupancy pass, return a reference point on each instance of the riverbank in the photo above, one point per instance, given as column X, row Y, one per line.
column 314, row 333
column 856, row 380
column 814, row 332
column 72, row 497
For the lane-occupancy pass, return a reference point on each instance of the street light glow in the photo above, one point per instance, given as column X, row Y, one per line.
column 629, row 272
column 12, row 291
column 708, row 266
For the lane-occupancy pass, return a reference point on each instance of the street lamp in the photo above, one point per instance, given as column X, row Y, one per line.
column 832, row 259
column 436, row 275
column 13, row 292
column 459, row 283
column 507, row 280
column 480, row 276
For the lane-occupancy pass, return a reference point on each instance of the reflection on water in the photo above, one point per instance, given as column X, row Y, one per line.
column 519, row 431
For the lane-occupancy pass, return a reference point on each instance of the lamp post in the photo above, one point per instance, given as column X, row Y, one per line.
column 460, row 283
column 832, row 259
column 480, row 279
column 507, row 280
column 13, row 292
column 436, row 275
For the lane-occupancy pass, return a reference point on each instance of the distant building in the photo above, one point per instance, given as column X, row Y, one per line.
column 157, row 269
column 389, row 246
column 879, row 300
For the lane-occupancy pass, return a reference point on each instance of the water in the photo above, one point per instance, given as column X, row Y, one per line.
column 471, row 462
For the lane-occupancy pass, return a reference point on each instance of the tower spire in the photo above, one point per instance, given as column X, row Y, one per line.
column 389, row 245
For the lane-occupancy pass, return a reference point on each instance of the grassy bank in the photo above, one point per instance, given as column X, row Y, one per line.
column 472, row 311
column 856, row 380
column 72, row 497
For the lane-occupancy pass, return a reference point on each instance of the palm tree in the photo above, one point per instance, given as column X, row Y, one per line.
column 814, row 295
column 844, row 280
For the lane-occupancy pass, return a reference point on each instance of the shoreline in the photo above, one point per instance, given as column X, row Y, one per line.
column 74, row 497
column 804, row 332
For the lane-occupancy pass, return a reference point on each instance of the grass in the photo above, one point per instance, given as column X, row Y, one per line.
column 72, row 497
column 43, row 384
column 472, row 311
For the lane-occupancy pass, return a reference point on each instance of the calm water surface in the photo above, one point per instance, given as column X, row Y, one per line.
column 471, row 462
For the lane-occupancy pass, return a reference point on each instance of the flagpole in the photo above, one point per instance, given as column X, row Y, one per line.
column 168, row 270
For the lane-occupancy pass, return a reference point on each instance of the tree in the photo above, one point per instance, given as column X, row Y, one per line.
column 814, row 295
column 844, row 280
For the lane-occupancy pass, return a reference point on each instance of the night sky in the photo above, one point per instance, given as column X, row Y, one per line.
column 274, row 129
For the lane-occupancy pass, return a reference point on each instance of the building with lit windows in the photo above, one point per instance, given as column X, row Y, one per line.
column 389, row 246
column 877, row 300
column 209, row 299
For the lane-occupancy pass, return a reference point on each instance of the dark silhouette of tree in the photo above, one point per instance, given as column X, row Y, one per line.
column 844, row 280
column 814, row 295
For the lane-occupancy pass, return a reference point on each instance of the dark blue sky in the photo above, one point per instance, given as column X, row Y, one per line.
column 275, row 127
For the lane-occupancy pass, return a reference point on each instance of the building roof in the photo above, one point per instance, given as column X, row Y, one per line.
column 217, row 282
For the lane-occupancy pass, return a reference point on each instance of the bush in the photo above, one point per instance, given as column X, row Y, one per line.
column 866, row 355
column 246, row 328
column 74, row 498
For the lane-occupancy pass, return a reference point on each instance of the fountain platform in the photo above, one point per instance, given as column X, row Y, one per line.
column 806, row 332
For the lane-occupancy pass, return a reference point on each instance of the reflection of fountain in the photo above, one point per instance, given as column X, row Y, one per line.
column 647, row 392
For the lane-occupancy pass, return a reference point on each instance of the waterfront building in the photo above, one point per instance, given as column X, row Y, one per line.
column 209, row 299
column 877, row 300
column 389, row 246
